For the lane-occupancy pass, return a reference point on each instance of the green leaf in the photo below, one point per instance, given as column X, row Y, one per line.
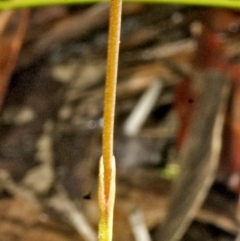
column 38, row 3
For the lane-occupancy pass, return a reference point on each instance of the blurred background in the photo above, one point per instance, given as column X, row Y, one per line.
column 177, row 131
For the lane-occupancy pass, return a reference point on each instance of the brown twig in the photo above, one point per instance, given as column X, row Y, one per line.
column 13, row 56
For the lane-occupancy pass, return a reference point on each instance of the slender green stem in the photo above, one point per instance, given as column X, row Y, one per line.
column 37, row 3
column 106, row 203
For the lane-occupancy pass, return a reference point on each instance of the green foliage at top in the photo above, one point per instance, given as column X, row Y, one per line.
column 5, row 4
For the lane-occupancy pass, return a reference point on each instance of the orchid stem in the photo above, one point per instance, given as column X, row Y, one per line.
column 107, row 171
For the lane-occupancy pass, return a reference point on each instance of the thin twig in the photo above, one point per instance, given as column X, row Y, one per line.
column 64, row 205
column 142, row 110
column 139, row 227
